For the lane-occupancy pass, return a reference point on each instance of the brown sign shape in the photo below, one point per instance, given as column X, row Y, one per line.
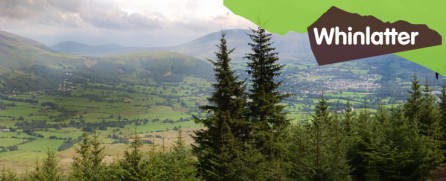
column 350, row 36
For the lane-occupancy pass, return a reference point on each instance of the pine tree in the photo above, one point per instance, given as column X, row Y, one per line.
column 413, row 104
column 268, row 119
column 347, row 122
column 402, row 152
column 182, row 164
column 429, row 116
column 382, row 116
column 391, row 147
column 133, row 165
column 320, row 148
column 442, row 104
column 48, row 170
column 442, row 110
column 87, row 164
column 227, row 121
column 176, row 165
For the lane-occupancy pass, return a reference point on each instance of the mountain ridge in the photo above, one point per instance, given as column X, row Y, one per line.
column 27, row 65
column 292, row 46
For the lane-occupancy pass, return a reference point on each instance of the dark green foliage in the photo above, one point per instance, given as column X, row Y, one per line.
column 175, row 165
column 229, row 96
column 181, row 161
column 319, row 148
column 442, row 103
column 400, row 145
column 88, row 163
column 400, row 152
column 348, row 118
column 414, row 102
column 442, row 109
column 429, row 116
column 268, row 120
column 246, row 135
column 219, row 147
column 264, row 110
column 48, row 170
column 133, row 165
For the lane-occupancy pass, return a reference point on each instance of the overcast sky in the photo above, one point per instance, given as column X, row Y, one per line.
column 125, row 22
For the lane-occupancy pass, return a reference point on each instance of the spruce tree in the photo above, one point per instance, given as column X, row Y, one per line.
column 227, row 121
column 401, row 152
column 182, row 164
column 229, row 93
column 48, row 170
column 266, row 114
column 442, row 109
column 412, row 107
column 133, row 165
column 429, row 116
column 178, row 164
column 442, row 104
column 319, row 148
column 348, row 121
column 391, row 147
column 87, row 163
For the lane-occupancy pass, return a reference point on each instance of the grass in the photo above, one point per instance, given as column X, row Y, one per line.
column 151, row 101
column 41, row 145
column 63, row 133
column 5, row 142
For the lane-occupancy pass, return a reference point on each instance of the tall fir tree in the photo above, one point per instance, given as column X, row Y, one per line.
column 226, row 126
column 429, row 116
column 400, row 145
column 319, row 148
column 401, row 151
column 442, row 104
column 360, row 143
column 87, row 163
column 442, row 109
column 133, row 165
column 412, row 107
column 182, row 164
column 348, row 119
column 267, row 116
column 178, row 164
column 48, row 170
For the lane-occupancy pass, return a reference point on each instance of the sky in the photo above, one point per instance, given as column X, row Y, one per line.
column 149, row 23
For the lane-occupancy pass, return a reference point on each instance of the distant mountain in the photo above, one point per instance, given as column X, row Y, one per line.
column 27, row 65
column 20, row 52
column 68, row 46
column 11, row 43
column 77, row 48
column 292, row 46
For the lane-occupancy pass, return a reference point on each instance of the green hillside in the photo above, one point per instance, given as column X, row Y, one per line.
column 47, row 99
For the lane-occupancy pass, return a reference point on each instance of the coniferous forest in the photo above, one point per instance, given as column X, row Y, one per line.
column 247, row 136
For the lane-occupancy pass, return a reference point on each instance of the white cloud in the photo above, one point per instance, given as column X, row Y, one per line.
column 127, row 22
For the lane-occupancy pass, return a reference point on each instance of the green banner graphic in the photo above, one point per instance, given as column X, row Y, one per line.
column 282, row 16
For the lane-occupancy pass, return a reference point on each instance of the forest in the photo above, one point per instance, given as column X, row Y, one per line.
column 247, row 135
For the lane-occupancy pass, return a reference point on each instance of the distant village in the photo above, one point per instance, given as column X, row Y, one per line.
column 331, row 80
column 66, row 85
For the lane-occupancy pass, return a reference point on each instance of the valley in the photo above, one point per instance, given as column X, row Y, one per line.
column 48, row 99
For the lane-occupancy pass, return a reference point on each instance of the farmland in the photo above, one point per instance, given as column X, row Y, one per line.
column 35, row 121
column 47, row 103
